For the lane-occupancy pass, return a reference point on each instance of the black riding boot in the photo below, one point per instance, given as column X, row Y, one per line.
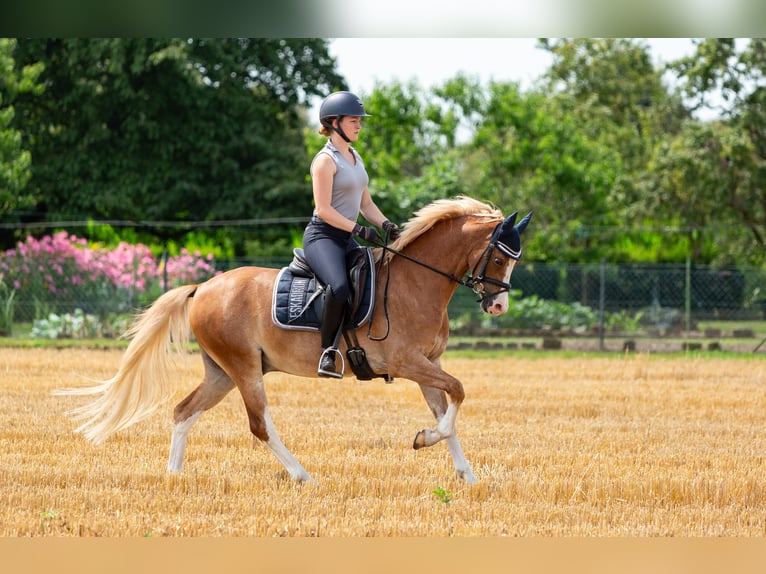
column 332, row 323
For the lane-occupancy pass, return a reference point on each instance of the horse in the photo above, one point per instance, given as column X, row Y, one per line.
column 448, row 243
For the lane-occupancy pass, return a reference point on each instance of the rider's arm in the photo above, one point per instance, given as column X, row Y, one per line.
column 322, row 173
column 370, row 210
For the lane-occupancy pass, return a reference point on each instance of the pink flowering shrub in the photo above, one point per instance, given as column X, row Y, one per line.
column 189, row 267
column 61, row 273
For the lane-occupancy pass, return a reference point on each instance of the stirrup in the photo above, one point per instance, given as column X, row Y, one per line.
column 334, row 374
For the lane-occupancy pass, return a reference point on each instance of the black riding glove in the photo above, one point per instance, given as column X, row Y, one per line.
column 392, row 229
column 369, row 234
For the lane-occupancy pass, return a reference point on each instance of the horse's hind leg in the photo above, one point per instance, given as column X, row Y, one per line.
column 437, row 402
column 262, row 426
column 209, row 393
column 251, row 387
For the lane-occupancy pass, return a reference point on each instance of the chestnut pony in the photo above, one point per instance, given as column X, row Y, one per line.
column 448, row 243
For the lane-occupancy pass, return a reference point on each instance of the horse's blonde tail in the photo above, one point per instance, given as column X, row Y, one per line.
column 142, row 380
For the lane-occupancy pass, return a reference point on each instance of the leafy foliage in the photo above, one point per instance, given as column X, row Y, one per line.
column 15, row 158
column 79, row 325
column 533, row 313
column 735, row 149
column 171, row 130
column 186, row 141
column 7, row 308
column 442, row 494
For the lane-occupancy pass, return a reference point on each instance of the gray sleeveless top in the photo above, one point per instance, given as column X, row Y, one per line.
column 348, row 183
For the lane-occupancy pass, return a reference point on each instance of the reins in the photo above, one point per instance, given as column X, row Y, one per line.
column 475, row 282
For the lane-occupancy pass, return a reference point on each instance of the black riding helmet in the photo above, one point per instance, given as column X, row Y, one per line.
column 337, row 105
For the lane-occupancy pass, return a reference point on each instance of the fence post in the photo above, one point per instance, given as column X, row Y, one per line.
column 165, row 270
column 688, row 295
column 601, row 304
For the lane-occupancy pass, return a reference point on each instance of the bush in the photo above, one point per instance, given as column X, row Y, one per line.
column 60, row 273
column 534, row 313
column 79, row 325
column 7, row 296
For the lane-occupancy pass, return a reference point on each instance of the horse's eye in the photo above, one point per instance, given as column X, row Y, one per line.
column 499, row 261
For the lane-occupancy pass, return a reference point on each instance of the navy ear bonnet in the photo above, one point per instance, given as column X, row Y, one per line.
column 507, row 236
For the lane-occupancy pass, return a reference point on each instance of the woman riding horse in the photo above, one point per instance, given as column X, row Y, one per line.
column 339, row 183
column 448, row 243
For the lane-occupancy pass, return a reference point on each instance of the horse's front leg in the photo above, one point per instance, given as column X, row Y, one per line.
column 437, row 402
column 437, row 386
column 445, row 423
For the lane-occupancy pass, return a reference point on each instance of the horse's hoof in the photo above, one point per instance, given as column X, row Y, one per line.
column 467, row 476
column 420, row 440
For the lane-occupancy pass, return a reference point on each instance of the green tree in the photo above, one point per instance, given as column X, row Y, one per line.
column 405, row 146
column 15, row 159
column 529, row 154
column 690, row 185
column 617, row 92
column 171, row 130
column 730, row 77
column 704, row 180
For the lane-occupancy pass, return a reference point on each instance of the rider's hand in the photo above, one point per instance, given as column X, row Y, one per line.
column 369, row 234
column 392, row 229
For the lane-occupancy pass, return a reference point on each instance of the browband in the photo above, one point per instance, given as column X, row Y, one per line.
column 508, row 251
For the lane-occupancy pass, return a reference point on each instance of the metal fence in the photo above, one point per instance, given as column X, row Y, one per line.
column 707, row 292
column 660, row 294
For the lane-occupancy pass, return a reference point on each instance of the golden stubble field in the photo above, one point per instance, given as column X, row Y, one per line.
column 622, row 446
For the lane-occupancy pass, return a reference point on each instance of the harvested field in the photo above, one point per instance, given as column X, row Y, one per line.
column 621, row 446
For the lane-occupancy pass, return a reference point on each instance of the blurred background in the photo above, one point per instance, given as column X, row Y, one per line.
column 130, row 165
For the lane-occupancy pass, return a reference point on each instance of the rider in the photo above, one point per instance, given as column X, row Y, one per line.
column 339, row 182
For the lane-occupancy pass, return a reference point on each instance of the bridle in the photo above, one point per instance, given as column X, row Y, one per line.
column 475, row 280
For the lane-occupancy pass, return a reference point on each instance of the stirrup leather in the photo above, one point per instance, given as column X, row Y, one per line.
column 335, row 374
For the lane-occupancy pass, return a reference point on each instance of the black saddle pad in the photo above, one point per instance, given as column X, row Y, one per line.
column 298, row 299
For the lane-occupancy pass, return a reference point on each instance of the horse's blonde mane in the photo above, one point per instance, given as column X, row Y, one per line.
column 442, row 210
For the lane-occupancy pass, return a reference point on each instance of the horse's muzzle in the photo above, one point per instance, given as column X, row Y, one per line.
column 495, row 303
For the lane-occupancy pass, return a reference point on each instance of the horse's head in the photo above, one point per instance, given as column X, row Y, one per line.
column 497, row 263
column 492, row 262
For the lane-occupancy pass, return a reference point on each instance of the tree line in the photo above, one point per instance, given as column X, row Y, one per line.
column 209, row 140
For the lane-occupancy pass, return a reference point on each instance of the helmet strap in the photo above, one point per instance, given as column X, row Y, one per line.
column 339, row 131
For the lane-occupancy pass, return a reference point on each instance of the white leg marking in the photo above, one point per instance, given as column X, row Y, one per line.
column 280, row 451
column 462, row 467
column 178, row 442
column 446, row 425
column 447, row 431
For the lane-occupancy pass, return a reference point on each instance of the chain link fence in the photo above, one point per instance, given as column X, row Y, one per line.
column 660, row 298
column 563, row 297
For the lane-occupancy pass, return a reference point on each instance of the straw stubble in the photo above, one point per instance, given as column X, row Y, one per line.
column 637, row 446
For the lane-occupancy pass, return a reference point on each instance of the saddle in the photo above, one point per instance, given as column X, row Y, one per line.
column 299, row 295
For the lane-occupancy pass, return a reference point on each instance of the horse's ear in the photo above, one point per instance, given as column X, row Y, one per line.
column 522, row 225
column 509, row 221
column 504, row 227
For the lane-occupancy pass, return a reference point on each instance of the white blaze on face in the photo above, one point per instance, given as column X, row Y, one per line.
column 499, row 303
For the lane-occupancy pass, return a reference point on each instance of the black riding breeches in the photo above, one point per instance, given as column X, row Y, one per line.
column 325, row 248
